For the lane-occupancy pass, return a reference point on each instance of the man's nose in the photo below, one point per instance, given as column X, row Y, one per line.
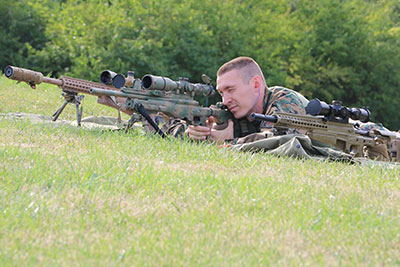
column 225, row 100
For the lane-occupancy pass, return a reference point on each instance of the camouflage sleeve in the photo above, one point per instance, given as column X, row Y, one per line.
column 286, row 100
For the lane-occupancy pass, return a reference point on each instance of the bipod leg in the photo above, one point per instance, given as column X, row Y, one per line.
column 140, row 108
column 78, row 114
column 70, row 98
column 119, row 119
column 58, row 112
column 78, row 100
column 114, row 99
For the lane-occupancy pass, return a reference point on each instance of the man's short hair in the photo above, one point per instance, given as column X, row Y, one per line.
column 247, row 66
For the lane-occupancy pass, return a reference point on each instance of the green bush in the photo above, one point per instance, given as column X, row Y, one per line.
column 21, row 27
column 349, row 51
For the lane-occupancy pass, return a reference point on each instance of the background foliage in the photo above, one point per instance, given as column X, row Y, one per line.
column 331, row 49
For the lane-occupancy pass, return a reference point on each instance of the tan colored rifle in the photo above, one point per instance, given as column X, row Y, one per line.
column 136, row 97
column 330, row 124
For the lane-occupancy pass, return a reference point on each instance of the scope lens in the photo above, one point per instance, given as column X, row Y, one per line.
column 118, row 81
column 316, row 107
column 106, row 77
column 146, row 81
column 361, row 114
column 8, row 71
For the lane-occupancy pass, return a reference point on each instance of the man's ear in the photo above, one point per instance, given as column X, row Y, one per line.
column 256, row 82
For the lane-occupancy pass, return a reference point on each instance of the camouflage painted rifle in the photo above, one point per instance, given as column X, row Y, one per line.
column 330, row 124
column 133, row 96
column 173, row 98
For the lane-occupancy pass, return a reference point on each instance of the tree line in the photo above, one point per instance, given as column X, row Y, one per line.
column 330, row 49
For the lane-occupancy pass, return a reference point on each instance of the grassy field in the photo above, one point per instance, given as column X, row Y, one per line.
column 71, row 196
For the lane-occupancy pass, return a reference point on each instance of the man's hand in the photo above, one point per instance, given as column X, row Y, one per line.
column 208, row 132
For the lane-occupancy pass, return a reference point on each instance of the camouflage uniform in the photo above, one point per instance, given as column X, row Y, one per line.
column 281, row 99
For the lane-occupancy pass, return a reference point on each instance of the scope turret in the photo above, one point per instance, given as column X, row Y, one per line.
column 152, row 82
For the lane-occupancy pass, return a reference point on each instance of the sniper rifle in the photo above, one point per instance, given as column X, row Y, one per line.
column 331, row 124
column 135, row 97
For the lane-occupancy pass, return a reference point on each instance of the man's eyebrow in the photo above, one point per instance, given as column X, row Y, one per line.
column 226, row 87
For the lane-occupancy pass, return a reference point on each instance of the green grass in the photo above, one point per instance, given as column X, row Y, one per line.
column 89, row 197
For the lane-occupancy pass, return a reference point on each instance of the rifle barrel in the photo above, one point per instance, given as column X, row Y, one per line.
column 262, row 117
column 29, row 76
column 99, row 91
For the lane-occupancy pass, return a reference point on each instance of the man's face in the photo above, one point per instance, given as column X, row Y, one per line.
column 236, row 95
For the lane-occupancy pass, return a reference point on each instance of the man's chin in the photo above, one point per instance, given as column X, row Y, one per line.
column 241, row 116
column 238, row 115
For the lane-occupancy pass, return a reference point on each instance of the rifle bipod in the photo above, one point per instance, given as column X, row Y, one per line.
column 139, row 108
column 72, row 98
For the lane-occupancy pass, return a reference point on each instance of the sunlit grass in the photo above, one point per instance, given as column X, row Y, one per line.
column 71, row 195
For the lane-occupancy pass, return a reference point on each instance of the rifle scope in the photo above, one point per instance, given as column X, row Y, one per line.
column 336, row 111
column 109, row 77
column 151, row 82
